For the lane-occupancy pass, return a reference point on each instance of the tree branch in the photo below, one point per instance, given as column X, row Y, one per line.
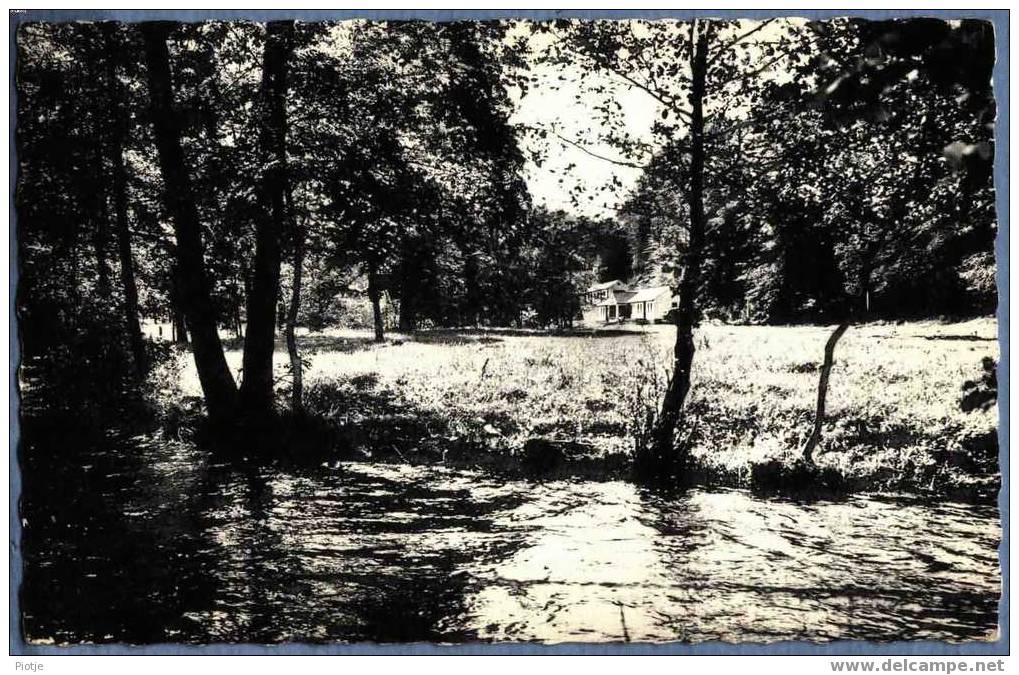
column 744, row 76
column 668, row 101
column 737, row 40
column 769, row 64
column 582, row 148
column 748, row 122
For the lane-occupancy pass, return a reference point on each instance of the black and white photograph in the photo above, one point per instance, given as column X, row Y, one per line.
column 507, row 331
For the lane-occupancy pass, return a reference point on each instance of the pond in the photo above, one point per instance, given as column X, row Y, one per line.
column 151, row 543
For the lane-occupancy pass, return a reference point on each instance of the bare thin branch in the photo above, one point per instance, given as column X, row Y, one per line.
column 585, row 150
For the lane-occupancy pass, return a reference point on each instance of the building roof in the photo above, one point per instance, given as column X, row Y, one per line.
column 618, row 297
column 604, row 285
column 647, row 294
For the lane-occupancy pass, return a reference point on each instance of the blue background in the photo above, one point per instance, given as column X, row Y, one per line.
column 1000, row 19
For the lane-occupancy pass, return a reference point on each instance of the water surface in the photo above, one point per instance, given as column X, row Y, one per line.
column 157, row 543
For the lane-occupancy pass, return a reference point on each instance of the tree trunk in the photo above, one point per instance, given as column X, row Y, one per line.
column 409, row 273
column 180, row 326
column 408, row 314
column 127, row 273
column 662, row 450
column 260, row 336
column 822, row 391
column 177, row 323
column 375, row 295
column 114, row 357
column 296, row 365
column 238, row 329
column 217, row 383
column 99, row 237
column 101, row 215
column 473, row 295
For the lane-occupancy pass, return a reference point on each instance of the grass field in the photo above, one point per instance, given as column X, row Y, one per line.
column 894, row 418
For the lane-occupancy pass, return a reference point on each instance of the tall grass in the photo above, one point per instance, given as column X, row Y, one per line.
column 894, row 418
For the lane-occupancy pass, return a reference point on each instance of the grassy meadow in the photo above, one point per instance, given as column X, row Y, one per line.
column 475, row 398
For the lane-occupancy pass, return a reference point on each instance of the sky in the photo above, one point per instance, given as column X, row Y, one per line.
column 545, row 107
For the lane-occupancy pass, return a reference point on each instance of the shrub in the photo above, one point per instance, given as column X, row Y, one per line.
column 175, row 411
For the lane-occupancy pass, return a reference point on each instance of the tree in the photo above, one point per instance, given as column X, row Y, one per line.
column 66, row 323
column 706, row 77
column 217, row 383
column 74, row 196
column 259, row 340
column 558, row 256
column 491, row 213
column 118, row 136
column 861, row 167
column 421, row 174
column 298, row 235
column 661, row 452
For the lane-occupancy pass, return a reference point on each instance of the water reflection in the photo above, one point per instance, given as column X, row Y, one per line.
column 155, row 543
column 620, row 565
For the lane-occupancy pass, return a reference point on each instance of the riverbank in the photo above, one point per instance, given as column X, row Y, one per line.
column 527, row 403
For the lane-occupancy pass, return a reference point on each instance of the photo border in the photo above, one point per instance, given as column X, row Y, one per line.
column 998, row 17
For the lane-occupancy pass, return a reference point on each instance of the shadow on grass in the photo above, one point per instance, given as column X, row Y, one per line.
column 601, row 332
column 334, row 343
column 453, row 336
column 360, row 419
column 357, row 419
column 490, row 335
column 799, row 481
column 959, row 338
column 317, row 342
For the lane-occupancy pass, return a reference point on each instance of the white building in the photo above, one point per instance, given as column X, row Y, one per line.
column 615, row 302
